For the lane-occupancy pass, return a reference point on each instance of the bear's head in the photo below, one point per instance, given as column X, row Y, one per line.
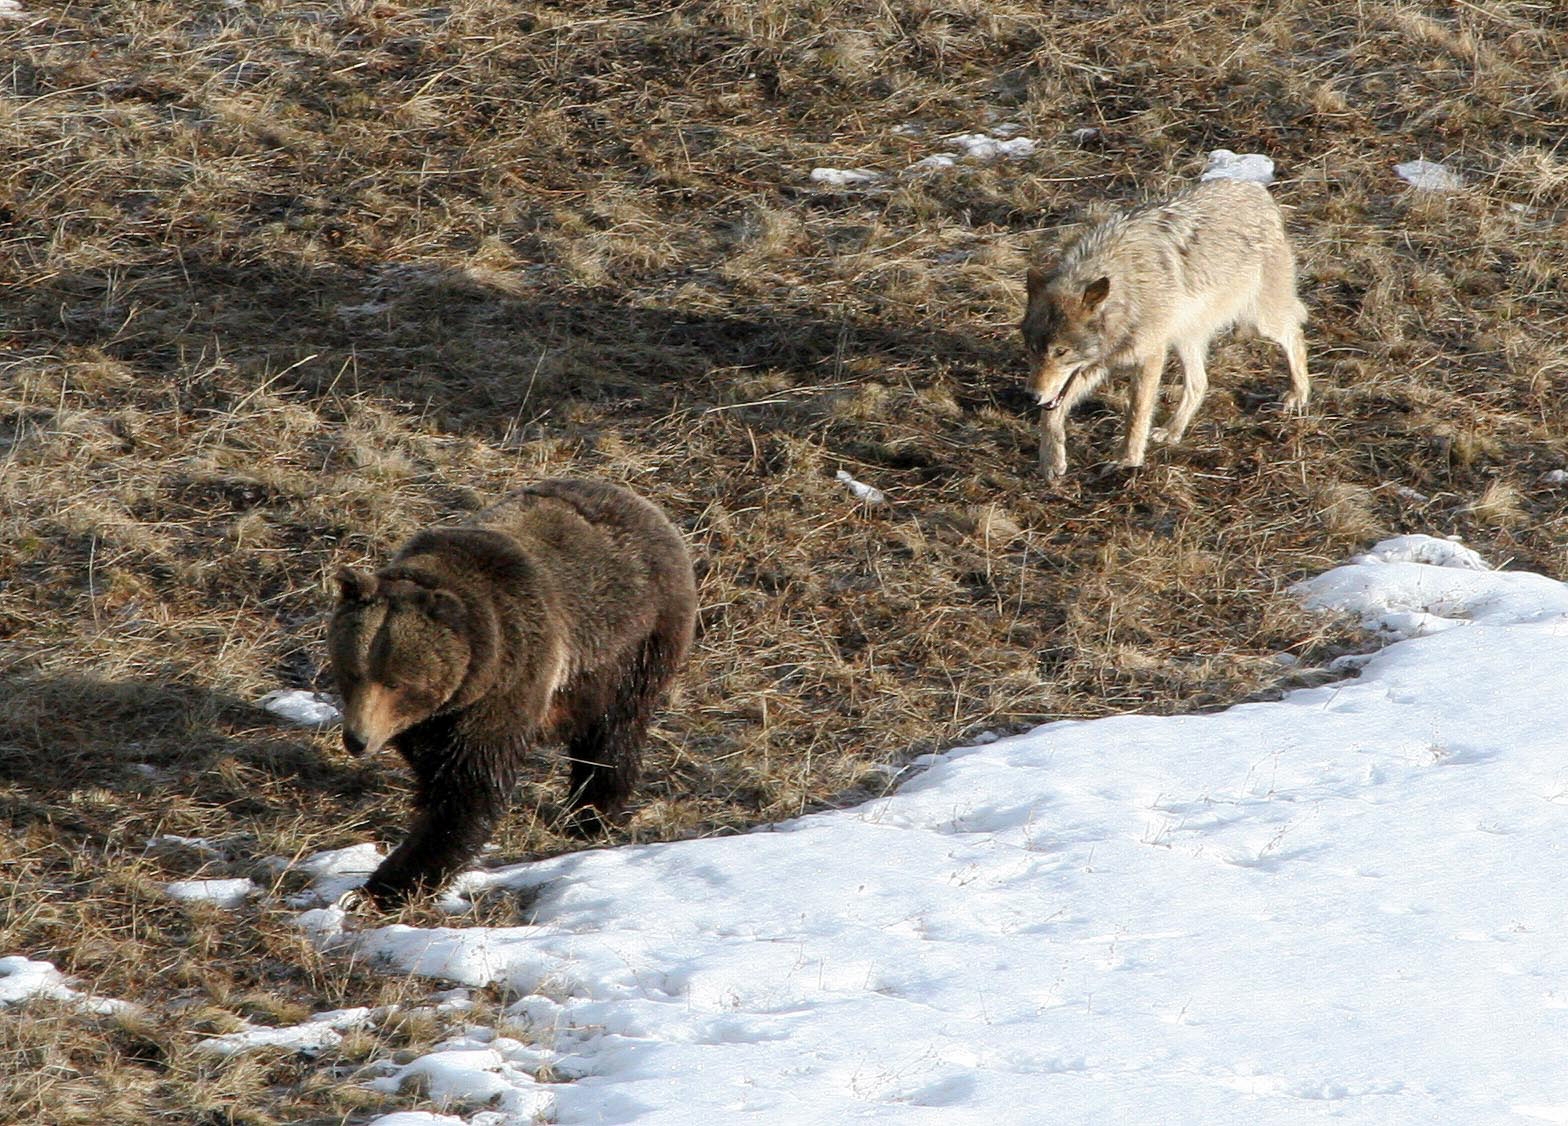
column 400, row 651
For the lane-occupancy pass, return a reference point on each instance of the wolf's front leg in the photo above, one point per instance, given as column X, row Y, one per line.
column 1053, row 442
column 1140, row 411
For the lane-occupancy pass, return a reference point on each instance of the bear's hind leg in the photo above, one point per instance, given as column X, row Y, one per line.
column 605, row 753
column 612, row 712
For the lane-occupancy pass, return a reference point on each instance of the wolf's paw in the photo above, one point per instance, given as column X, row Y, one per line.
column 1160, row 434
column 1051, row 465
column 1294, row 404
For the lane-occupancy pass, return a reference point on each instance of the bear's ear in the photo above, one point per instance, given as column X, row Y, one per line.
column 443, row 606
column 1094, row 293
column 355, row 585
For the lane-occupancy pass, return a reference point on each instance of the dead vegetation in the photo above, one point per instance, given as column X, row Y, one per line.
column 282, row 282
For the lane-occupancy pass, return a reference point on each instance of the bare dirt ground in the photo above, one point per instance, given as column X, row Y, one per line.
column 282, row 282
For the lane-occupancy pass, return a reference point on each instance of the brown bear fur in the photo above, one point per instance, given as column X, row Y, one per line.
column 558, row 614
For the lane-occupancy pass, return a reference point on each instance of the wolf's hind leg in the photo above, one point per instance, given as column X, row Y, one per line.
column 1280, row 319
column 1295, row 347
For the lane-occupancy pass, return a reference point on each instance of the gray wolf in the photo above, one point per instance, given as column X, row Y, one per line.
column 1174, row 274
column 559, row 614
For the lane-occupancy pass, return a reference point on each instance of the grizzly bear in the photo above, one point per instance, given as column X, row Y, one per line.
column 559, row 614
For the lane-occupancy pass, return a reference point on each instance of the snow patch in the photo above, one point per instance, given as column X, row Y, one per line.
column 355, row 860
column 336, row 872
column 844, row 177
column 316, row 1035
column 482, row 1070
column 22, row 979
column 12, row 10
column 222, row 893
column 1424, row 549
column 867, row 493
column 308, row 709
column 979, row 148
column 1424, row 175
column 982, row 147
column 1251, row 167
column 324, row 925
column 1002, row 142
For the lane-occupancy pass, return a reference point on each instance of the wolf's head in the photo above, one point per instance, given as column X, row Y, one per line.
column 400, row 651
column 1063, row 333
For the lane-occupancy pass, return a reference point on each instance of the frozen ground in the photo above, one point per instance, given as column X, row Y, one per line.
column 1346, row 905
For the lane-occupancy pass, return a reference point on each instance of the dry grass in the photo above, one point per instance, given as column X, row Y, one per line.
column 282, row 282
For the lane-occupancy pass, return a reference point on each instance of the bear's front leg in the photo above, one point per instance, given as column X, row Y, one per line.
column 457, row 810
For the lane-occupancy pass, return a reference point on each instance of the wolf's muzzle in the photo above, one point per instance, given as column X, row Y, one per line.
column 1055, row 400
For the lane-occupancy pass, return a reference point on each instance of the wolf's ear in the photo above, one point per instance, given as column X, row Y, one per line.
column 355, row 585
column 1035, row 280
column 1094, row 293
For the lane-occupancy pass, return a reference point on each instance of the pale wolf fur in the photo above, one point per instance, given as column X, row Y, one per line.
column 1174, row 274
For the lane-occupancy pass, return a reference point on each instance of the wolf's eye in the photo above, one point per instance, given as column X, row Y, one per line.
column 1059, row 351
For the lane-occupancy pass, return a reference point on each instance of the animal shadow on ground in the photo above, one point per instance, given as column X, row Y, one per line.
column 472, row 349
column 63, row 736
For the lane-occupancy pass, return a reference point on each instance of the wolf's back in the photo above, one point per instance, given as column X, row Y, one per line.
column 1215, row 235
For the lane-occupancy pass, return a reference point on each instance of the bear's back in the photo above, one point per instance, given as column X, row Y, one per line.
column 616, row 563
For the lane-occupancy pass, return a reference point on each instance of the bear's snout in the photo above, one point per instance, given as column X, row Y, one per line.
column 353, row 743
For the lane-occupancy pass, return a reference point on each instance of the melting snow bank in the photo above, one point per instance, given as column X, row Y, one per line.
column 1346, row 904
column 320, row 1032
column 1416, row 585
